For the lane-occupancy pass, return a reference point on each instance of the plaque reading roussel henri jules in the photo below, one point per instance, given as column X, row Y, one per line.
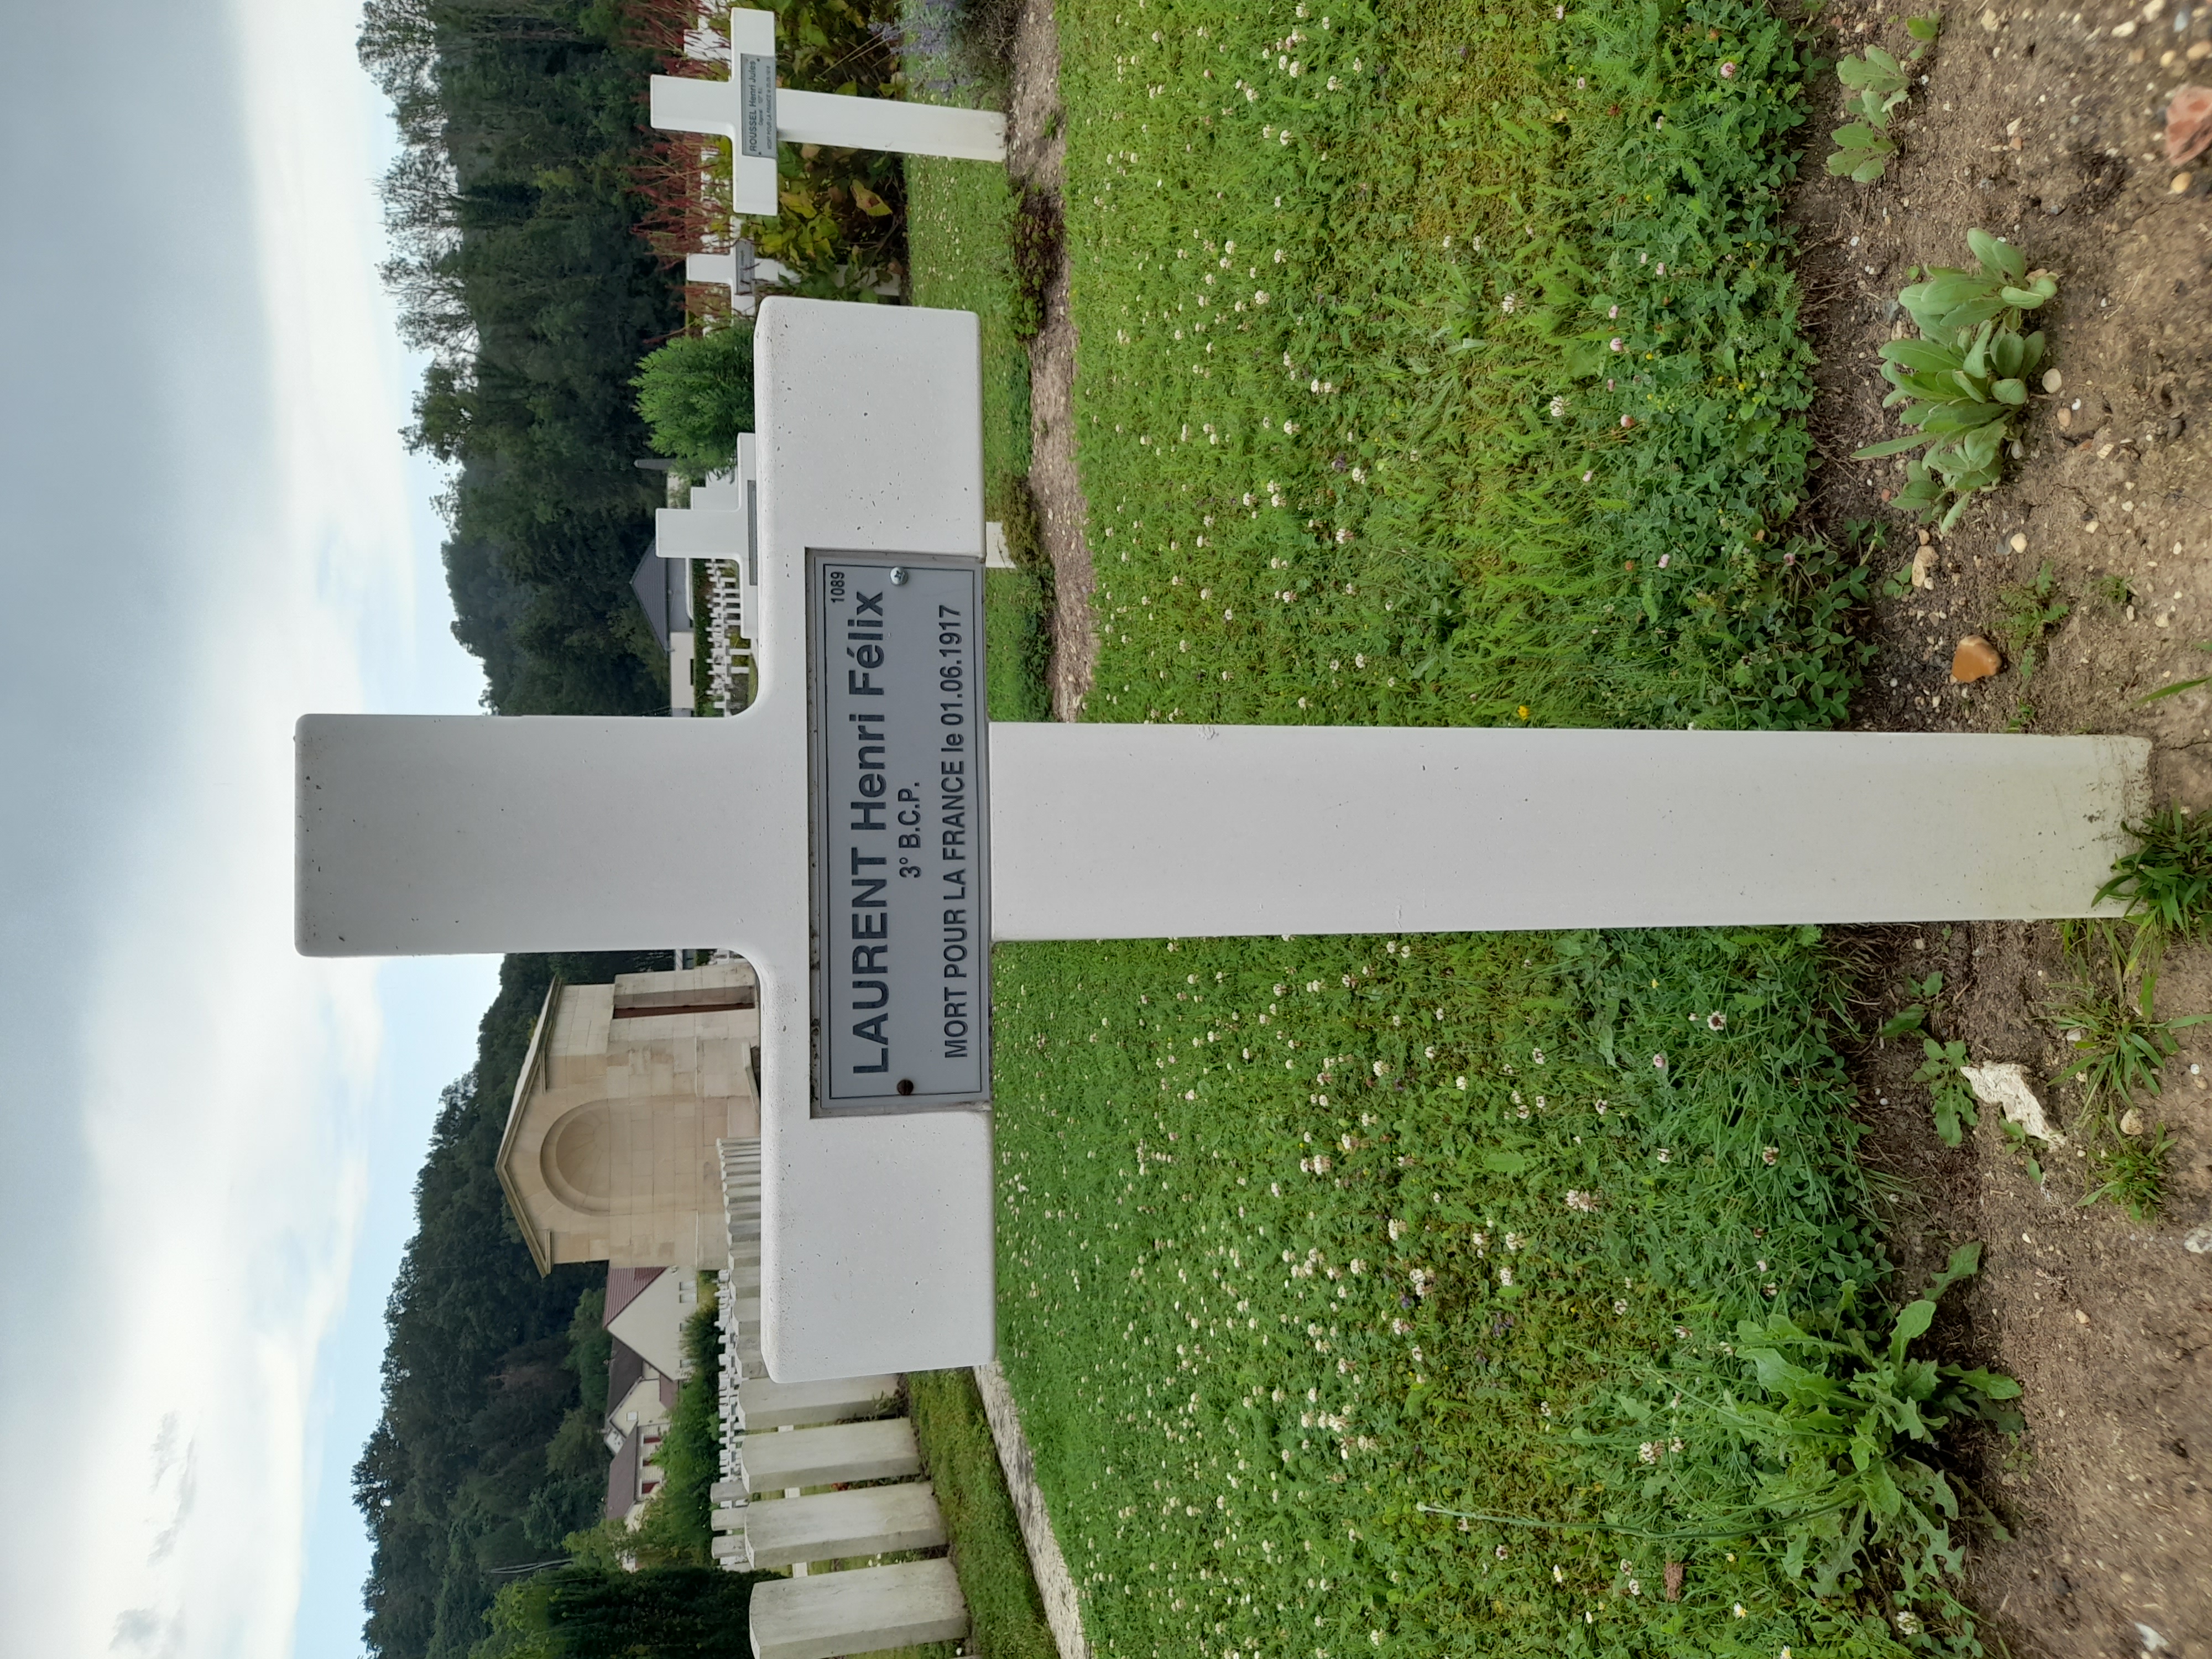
column 901, row 862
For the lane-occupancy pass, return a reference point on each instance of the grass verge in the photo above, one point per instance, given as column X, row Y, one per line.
column 1007, row 1615
column 1296, row 1237
column 1440, row 364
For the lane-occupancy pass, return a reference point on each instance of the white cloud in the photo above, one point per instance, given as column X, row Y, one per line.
column 225, row 1088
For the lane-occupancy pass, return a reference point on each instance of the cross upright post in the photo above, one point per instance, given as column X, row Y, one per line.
column 419, row 835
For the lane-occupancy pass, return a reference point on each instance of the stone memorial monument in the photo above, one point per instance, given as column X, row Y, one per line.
column 608, row 1153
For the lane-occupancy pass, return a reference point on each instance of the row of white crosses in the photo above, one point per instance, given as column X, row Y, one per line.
column 755, row 115
column 423, row 835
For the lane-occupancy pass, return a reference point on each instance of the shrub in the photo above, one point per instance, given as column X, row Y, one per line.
column 1962, row 381
column 695, row 393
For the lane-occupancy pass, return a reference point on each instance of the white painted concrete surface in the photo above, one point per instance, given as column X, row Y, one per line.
column 835, row 1454
column 889, row 124
column 840, row 1526
column 430, row 834
column 864, row 1611
column 1149, row 831
column 764, row 1404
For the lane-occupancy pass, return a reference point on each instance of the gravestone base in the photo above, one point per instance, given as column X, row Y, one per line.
column 833, row 1456
column 843, row 1526
column 828, row 1615
column 765, row 1405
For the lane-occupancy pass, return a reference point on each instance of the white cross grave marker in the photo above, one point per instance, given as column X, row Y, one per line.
column 755, row 115
column 423, row 835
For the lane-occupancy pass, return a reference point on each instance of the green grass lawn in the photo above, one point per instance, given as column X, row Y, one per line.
column 1296, row 1236
column 1440, row 365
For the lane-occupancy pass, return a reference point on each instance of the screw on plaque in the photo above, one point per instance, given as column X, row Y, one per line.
column 898, row 575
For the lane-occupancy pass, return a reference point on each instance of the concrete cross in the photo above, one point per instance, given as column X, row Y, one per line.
column 755, row 115
column 781, row 833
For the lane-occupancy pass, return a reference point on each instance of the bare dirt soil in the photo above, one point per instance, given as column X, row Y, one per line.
column 2045, row 126
column 1037, row 155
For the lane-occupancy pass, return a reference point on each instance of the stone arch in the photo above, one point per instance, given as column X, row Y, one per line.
column 578, row 1158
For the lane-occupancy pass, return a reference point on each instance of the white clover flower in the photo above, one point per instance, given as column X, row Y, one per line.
column 1716, row 1021
column 1666, row 1157
column 1649, row 1451
column 1506, row 305
column 1769, row 1156
column 1619, row 1307
column 1659, row 1061
column 1505, row 1275
column 1634, row 1588
column 1501, row 1551
column 1558, row 407
column 1459, row 1083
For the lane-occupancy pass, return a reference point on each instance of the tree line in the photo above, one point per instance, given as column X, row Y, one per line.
column 511, row 215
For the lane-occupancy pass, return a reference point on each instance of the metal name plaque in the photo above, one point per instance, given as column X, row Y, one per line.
column 756, row 104
column 902, row 852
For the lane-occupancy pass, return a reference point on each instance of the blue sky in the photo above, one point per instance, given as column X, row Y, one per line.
column 210, row 526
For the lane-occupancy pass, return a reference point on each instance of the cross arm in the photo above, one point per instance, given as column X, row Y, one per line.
column 1141, row 831
column 888, row 124
column 436, row 834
